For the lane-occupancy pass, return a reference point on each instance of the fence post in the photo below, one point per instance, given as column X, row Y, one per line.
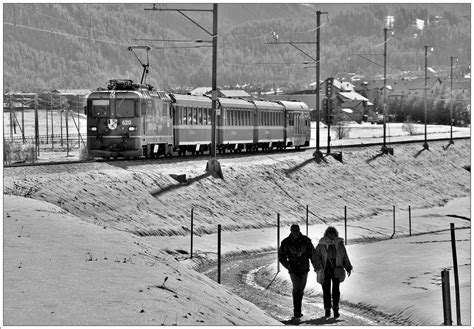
column 456, row 276
column 409, row 219
column 345, row 224
column 278, row 241
column 67, row 131
column 192, row 231
column 219, row 253
column 307, row 221
column 393, row 222
column 446, row 298
column 36, row 127
column 52, row 124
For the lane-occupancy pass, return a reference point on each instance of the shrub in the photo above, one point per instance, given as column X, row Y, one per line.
column 409, row 127
column 16, row 152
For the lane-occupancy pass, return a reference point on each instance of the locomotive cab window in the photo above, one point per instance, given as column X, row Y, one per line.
column 100, row 108
column 125, row 108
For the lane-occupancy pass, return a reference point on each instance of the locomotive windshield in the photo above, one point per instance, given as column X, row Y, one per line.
column 125, row 108
column 100, row 108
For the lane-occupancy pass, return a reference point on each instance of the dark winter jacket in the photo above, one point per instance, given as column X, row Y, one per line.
column 294, row 254
column 320, row 257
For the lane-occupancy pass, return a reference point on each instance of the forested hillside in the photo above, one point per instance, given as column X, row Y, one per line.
column 51, row 46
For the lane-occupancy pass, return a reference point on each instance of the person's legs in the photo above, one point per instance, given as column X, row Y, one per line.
column 299, row 283
column 336, row 294
column 327, row 295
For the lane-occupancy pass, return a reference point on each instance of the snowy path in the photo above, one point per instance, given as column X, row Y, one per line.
column 240, row 274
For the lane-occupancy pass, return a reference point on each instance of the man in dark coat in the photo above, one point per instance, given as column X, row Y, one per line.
column 294, row 254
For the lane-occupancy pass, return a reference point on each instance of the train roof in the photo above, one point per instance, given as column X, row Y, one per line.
column 268, row 105
column 189, row 100
column 294, row 105
column 235, row 102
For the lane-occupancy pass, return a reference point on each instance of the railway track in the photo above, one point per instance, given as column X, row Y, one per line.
column 232, row 155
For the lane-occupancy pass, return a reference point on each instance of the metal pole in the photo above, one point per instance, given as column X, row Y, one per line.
column 446, row 298
column 345, row 224
column 52, row 124
column 307, row 220
column 192, row 232
column 47, row 126
column 318, row 51
column 11, row 118
column 278, row 241
column 456, row 275
column 36, row 127
column 451, row 105
column 409, row 218
column 23, row 123
column 67, row 131
column 425, row 145
column 61, row 113
column 214, row 81
column 78, row 123
column 393, row 223
column 384, row 88
column 219, row 253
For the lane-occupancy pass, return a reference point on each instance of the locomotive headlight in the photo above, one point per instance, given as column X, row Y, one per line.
column 132, row 128
column 93, row 128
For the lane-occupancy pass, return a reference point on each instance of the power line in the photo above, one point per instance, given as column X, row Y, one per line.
column 65, row 34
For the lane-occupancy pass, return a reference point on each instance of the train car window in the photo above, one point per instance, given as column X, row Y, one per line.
column 199, row 116
column 125, row 108
column 184, row 115
column 100, row 108
column 188, row 116
column 165, row 109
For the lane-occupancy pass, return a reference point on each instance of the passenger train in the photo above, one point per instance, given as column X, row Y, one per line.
column 134, row 120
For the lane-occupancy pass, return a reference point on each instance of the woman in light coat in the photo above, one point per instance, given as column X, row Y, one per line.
column 330, row 261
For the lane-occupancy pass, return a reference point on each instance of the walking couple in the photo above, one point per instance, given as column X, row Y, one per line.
column 329, row 260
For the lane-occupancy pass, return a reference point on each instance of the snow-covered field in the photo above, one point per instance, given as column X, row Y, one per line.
column 70, row 257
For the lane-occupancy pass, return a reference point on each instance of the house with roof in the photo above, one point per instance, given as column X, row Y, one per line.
column 345, row 97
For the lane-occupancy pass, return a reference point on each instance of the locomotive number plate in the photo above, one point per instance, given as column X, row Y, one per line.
column 126, row 122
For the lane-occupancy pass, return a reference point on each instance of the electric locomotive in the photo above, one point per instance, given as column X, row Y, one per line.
column 129, row 120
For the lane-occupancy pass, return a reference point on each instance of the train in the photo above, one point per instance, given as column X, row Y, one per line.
column 132, row 120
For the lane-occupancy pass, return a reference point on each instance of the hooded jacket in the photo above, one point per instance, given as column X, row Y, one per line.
column 320, row 257
column 294, row 254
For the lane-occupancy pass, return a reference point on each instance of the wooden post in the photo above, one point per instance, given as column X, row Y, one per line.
column 192, row 231
column 278, row 241
column 307, row 220
column 219, row 253
column 345, row 224
column 409, row 219
column 446, row 298
column 456, row 275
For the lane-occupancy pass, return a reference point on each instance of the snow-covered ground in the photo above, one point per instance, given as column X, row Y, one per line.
column 70, row 257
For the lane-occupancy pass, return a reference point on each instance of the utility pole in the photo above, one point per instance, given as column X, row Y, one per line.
column 385, row 149
column 425, row 145
column 318, row 153
column 213, row 166
column 451, row 105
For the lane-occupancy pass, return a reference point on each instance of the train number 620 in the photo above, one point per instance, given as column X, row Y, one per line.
column 126, row 122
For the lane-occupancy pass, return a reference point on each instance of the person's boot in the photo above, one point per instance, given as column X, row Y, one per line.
column 336, row 313
column 328, row 313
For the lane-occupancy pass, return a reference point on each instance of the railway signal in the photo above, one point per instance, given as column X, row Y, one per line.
column 329, row 87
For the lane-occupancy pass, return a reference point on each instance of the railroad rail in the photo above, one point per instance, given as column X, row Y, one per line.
column 233, row 155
